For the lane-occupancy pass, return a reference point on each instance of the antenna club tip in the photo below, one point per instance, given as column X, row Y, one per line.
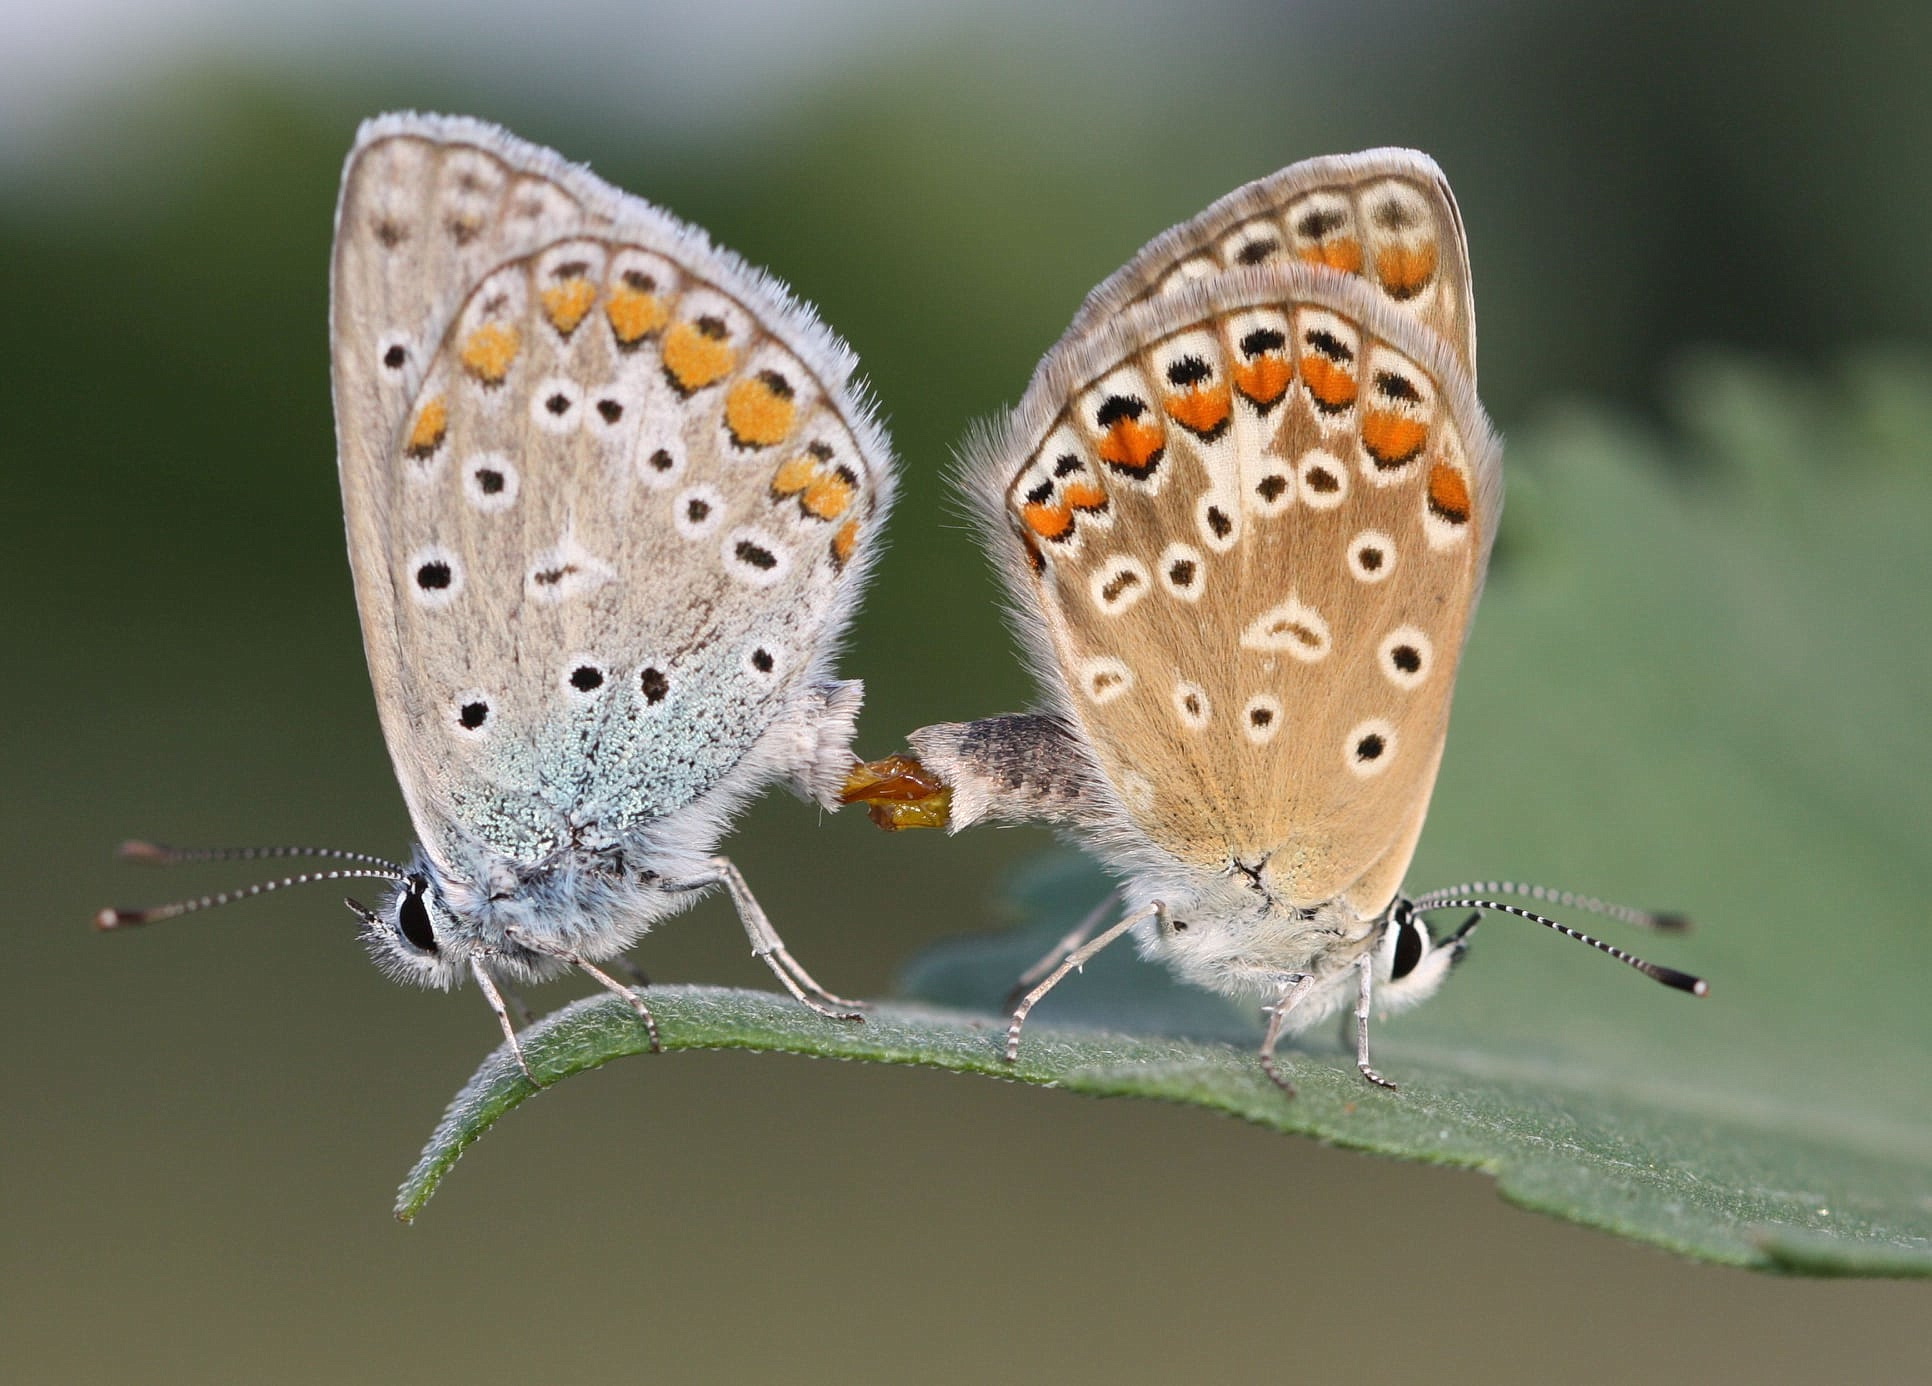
column 1670, row 922
column 137, row 849
column 1683, row 981
column 113, row 919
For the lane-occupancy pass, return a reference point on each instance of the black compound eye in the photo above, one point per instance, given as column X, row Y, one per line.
column 1408, row 949
column 412, row 917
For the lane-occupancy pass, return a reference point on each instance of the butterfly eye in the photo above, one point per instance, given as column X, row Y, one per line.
column 412, row 917
column 1409, row 948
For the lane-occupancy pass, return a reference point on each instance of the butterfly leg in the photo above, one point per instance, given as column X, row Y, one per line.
column 487, row 985
column 1366, row 966
column 585, row 965
column 1294, row 986
column 1073, row 962
column 1075, row 936
column 627, row 965
column 770, row 948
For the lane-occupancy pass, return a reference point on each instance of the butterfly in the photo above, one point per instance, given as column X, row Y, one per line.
column 611, row 496
column 1243, row 514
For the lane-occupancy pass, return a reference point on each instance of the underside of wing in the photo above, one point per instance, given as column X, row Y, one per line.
column 1385, row 215
column 609, row 504
column 1247, row 523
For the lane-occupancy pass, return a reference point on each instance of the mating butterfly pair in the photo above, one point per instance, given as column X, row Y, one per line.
column 612, row 494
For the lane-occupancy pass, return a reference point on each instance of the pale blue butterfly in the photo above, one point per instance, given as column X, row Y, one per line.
column 611, row 497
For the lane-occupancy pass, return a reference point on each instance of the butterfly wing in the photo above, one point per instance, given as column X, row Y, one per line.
column 1246, row 523
column 1386, row 215
column 610, row 497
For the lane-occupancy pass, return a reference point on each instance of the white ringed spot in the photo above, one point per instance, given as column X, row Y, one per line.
column 756, row 557
column 1369, row 748
column 583, row 678
column 1261, row 718
column 1324, row 479
column 1104, row 678
column 1406, row 657
column 1372, row 556
column 471, row 715
column 557, row 405
column 1191, row 705
column 565, row 571
column 765, row 661
column 1293, row 626
column 1183, row 572
column 660, row 462
column 435, row 577
column 696, row 511
column 1117, row 583
column 490, row 482
column 1218, row 519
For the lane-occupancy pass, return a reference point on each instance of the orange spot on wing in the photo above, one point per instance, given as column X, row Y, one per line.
column 1204, row 411
column 794, row 476
column 1047, row 521
column 1392, row 439
column 1264, row 379
column 1332, row 385
column 694, row 358
column 828, row 496
column 1449, row 493
column 1343, row 253
column 488, row 352
column 759, row 411
column 845, row 543
column 1131, row 445
column 566, row 304
column 1405, row 271
column 427, row 433
column 634, row 314
column 1084, row 495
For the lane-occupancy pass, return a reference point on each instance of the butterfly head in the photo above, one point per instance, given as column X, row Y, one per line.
column 1412, row 960
column 413, row 934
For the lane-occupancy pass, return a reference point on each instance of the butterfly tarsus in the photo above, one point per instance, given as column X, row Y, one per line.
column 769, row 948
column 1073, row 938
column 590, row 969
column 1073, row 962
column 1366, row 969
column 1294, row 986
column 487, row 985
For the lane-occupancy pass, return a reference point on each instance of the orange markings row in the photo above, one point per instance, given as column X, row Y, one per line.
column 695, row 357
column 634, row 314
column 1393, row 439
column 1048, row 521
column 1344, row 253
column 845, row 542
column 1264, row 379
column 1084, row 495
column 566, row 304
column 488, row 352
column 1131, row 445
column 1203, row 411
column 823, row 492
column 426, row 435
column 1449, row 493
column 1405, row 271
column 760, row 411
column 1332, row 384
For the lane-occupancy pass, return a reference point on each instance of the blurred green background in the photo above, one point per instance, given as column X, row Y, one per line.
column 205, row 1121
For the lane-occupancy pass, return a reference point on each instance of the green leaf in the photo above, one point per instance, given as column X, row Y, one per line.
column 1697, row 679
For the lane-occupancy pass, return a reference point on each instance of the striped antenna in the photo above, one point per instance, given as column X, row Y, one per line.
column 371, row 867
column 1663, row 921
column 1669, row 976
